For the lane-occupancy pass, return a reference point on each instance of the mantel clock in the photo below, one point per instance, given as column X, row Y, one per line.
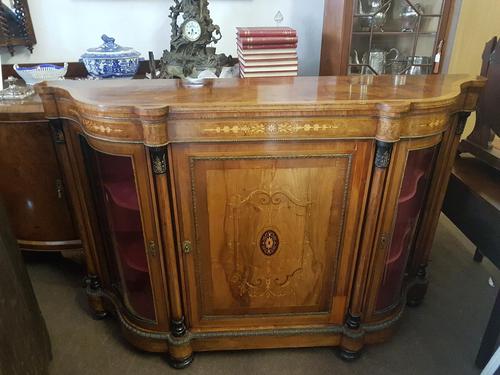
column 192, row 32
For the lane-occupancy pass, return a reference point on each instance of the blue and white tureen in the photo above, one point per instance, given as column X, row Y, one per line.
column 111, row 60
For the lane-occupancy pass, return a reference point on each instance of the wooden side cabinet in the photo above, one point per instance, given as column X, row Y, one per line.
column 31, row 182
column 258, row 213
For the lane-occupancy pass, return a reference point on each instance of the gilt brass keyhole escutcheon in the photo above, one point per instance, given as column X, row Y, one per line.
column 186, row 247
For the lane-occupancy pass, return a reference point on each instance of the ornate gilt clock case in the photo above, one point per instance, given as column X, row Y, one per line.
column 192, row 32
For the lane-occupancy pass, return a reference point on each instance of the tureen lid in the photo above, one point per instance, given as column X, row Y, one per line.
column 109, row 49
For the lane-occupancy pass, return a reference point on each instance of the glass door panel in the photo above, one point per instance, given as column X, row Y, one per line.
column 120, row 220
column 394, row 36
column 410, row 203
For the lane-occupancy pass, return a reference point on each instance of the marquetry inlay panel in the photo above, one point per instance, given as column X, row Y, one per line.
column 268, row 231
column 303, row 128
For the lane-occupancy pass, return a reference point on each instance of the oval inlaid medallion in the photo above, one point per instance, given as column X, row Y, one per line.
column 269, row 242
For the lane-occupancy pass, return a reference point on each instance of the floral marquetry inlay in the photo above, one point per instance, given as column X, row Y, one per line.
column 425, row 125
column 284, row 128
column 435, row 123
column 98, row 127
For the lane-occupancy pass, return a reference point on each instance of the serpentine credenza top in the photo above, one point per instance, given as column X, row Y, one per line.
column 162, row 111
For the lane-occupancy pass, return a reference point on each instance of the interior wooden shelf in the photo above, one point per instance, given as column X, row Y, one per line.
column 131, row 247
column 122, row 194
column 411, row 193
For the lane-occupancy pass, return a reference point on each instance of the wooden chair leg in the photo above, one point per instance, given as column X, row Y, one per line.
column 478, row 257
column 490, row 337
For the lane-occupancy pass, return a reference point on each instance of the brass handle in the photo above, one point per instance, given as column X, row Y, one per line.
column 187, row 247
column 59, row 188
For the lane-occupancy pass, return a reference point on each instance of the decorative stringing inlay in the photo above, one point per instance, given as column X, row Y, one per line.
column 271, row 128
column 269, row 242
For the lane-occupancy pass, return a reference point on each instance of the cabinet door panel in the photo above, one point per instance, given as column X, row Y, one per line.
column 32, row 187
column 267, row 227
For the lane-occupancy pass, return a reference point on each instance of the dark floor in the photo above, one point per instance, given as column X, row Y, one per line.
column 439, row 337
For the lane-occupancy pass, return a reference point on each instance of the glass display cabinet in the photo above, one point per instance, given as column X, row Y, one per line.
column 384, row 36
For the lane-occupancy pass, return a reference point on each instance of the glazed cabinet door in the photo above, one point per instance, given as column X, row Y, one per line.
column 119, row 178
column 269, row 230
column 407, row 188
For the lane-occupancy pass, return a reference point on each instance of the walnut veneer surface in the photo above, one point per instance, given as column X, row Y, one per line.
column 29, row 105
column 31, row 180
column 258, row 213
column 263, row 91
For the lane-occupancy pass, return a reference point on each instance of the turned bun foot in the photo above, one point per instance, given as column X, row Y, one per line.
column 416, row 294
column 414, row 302
column 349, row 355
column 99, row 315
column 179, row 363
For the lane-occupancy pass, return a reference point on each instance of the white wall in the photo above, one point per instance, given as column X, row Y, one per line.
column 66, row 28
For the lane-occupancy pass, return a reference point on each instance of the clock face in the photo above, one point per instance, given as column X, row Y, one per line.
column 191, row 30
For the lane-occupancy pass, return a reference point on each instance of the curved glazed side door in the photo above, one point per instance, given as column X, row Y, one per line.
column 122, row 196
column 407, row 186
column 269, row 230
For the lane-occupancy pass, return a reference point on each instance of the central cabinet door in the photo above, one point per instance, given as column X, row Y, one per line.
column 269, row 229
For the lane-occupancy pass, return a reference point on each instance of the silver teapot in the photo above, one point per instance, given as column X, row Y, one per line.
column 377, row 59
column 409, row 16
column 373, row 13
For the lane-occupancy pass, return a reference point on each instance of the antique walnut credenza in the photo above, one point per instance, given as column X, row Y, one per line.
column 257, row 213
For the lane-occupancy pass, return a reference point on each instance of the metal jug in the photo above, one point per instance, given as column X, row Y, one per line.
column 409, row 16
column 375, row 11
column 377, row 59
column 355, row 60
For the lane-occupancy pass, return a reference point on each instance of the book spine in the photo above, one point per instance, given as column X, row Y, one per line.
column 271, row 71
column 270, row 68
column 266, row 46
column 277, row 62
column 266, row 58
column 268, row 74
column 267, row 33
column 267, row 40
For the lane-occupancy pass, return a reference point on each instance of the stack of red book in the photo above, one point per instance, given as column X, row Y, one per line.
column 267, row 51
